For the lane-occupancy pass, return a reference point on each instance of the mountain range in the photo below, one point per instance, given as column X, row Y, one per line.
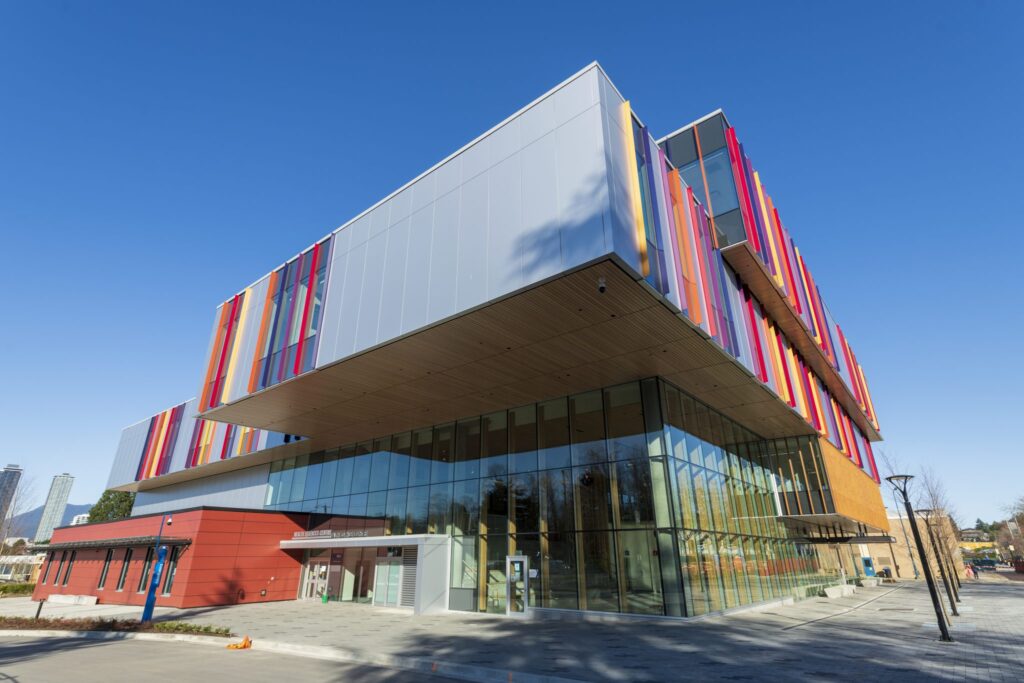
column 25, row 524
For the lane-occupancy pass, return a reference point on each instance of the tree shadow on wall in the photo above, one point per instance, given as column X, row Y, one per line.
column 580, row 233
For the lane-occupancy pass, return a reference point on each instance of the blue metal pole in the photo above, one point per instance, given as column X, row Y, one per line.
column 161, row 553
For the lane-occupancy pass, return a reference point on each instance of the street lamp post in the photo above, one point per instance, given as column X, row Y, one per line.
column 906, row 540
column 900, row 482
column 159, row 553
column 940, row 560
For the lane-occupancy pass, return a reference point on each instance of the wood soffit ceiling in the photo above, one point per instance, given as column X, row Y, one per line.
column 558, row 338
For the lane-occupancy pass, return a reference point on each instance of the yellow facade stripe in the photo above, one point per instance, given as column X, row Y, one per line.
column 161, row 429
column 816, row 387
column 633, row 176
column 233, row 360
column 773, row 351
column 866, row 393
column 204, row 454
column 769, row 232
column 798, row 385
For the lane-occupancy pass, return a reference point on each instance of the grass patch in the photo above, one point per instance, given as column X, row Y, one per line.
column 8, row 590
column 112, row 625
column 194, row 629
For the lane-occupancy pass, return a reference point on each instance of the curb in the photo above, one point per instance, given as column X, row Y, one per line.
column 115, row 635
column 465, row 672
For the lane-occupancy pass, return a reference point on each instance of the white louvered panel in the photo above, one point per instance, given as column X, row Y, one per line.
column 409, row 557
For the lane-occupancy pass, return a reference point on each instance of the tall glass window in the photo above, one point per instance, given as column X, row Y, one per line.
column 125, row 564
column 622, row 502
column 49, row 564
column 146, row 564
column 106, row 568
column 71, row 564
column 172, row 569
column 60, row 567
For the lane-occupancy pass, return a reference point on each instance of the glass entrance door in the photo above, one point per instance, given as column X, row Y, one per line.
column 316, row 579
column 387, row 582
column 517, row 585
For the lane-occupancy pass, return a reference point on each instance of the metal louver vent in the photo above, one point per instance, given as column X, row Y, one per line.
column 409, row 556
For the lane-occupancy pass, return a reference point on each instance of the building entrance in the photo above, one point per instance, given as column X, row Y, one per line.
column 369, row 575
column 388, row 582
column 315, row 583
column 517, row 585
column 374, row 570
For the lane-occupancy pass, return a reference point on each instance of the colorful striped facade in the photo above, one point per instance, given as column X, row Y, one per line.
column 160, row 439
column 681, row 258
column 176, row 439
column 268, row 332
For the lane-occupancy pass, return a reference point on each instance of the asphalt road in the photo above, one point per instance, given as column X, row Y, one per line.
column 54, row 660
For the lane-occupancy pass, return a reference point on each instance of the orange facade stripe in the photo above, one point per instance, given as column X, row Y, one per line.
column 214, row 357
column 268, row 305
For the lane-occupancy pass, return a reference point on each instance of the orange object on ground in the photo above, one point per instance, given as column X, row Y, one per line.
column 244, row 645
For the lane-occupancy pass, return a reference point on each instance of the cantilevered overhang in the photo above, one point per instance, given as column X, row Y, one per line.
column 748, row 266
column 221, row 466
column 556, row 338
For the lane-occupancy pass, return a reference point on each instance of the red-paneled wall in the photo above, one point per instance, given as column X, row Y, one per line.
column 234, row 557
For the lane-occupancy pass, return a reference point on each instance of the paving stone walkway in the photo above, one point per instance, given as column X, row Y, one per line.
column 882, row 633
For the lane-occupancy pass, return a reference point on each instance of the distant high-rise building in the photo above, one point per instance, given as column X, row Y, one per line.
column 80, row 519
column 53, row 511
column 9, row 478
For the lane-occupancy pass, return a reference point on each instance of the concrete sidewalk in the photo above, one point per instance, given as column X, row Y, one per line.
column 879, row 634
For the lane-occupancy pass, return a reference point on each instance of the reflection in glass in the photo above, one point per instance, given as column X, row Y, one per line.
column 625, row 416
column 553, row 434
column 443, row 454
column 636, row 505
column 401, row 447
column 600, row 573
column 417, row 509
column 439, row 516
column 525, row 503
column 466, row 507
column 467, row 449
column 593, row 496
column 586, row 419
column 422, row 453
column 558, row 568
column 494, row 444
column 641, row 580
column 494, row 505
column 522, row 439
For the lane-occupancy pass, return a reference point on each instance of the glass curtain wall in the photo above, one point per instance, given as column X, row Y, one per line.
column 728, row 488
column 634, row 498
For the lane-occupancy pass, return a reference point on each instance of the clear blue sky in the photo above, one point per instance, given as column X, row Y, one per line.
column 155, row 157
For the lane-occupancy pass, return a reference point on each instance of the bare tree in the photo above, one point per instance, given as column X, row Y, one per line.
column 890, row 462
column 932, row 494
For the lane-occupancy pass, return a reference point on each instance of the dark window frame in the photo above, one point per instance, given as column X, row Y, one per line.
column 106, row 568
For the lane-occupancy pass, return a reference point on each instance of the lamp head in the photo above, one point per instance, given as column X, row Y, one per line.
column 900, row 482
column 170, row 520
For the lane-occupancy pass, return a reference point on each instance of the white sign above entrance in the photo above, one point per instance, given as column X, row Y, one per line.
column 331, row 533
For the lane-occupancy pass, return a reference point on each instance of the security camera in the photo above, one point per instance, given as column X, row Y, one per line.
column 602, row 286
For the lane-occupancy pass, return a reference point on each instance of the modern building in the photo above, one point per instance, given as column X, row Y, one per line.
column 900, row 555
column 20, row 568
column 572, row 367
column 53, row 509
column 80, row 519
column 975, row 535
column 10, row 477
